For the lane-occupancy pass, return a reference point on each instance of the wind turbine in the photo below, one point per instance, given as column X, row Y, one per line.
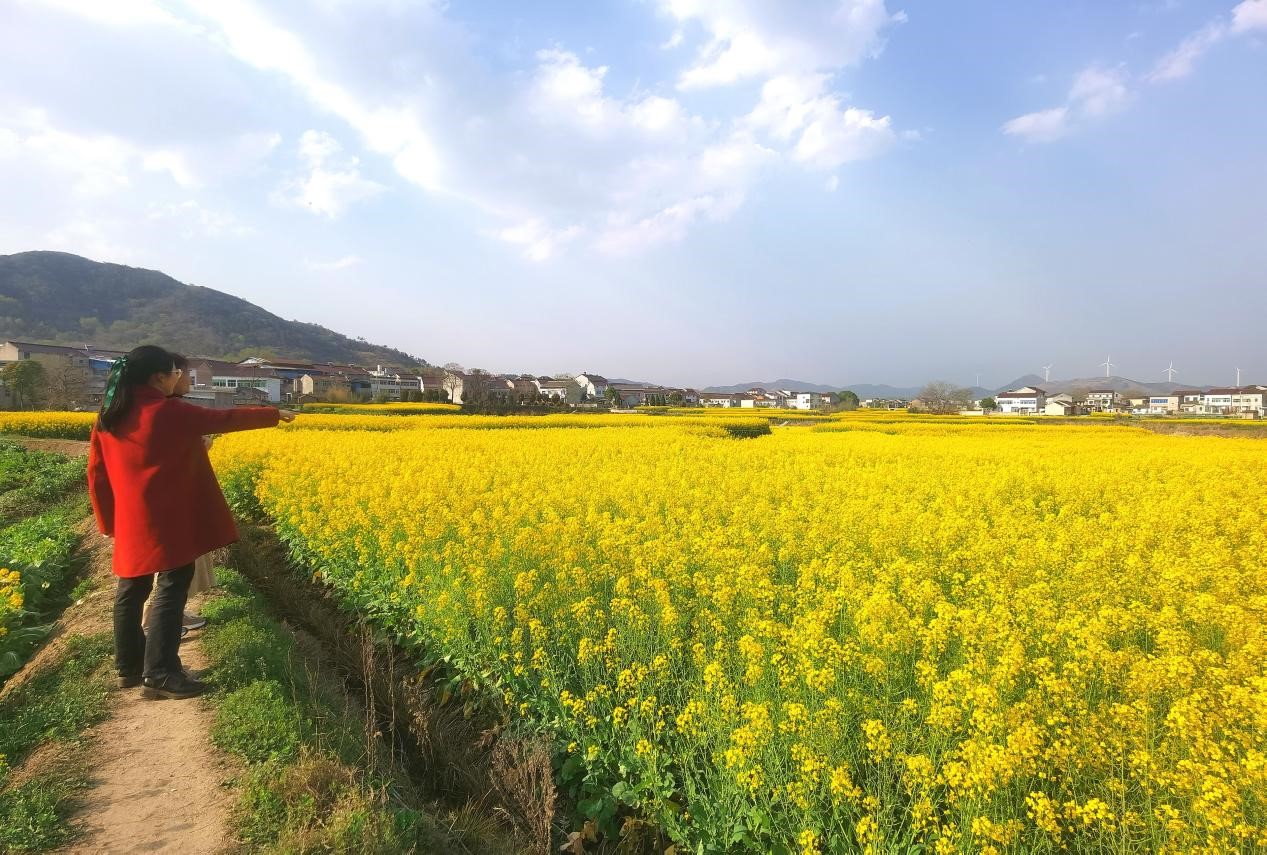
column 1047, row 373
column 1171, row 372
column 978, row 380
column 1238, row 378
column 1108, row 367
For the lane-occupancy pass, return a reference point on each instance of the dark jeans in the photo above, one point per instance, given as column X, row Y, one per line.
column 158, row 655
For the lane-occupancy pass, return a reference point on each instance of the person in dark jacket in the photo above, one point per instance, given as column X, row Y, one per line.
column 153, row 490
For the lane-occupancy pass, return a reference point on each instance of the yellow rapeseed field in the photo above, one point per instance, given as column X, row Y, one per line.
column 56, row 425
column 946, row 637
column 395, row 408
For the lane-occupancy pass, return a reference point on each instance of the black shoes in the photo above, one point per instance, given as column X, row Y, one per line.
column 127, row 681
column 175, row 688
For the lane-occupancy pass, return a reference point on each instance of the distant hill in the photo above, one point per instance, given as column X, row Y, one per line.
column 794, row 385
column 1079, row 385
column 1083, row 384
column 881, row 390
column 60, row 298
column 1024, row 380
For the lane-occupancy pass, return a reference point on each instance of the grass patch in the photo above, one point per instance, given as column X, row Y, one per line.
column 41, row 500
column 313, row 784
column 55, row 706
column 32, row 480
column 38, row 568
column 32, row 815
column 259, row 723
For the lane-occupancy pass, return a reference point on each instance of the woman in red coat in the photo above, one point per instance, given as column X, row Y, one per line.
column 154, row 492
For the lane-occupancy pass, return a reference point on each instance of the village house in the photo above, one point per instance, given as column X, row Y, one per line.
column 393, row 385
column 761, row 400
column 636, row 394
column 431, row 382
column 76, row 376
column 716, row 399
column 1061, row 404
column 551, row 388
column 801, row 400
column 323, row 387
column 1251, row 399
column 232, row 376
column 523, row 387
column 764, row 398
column 593, row 386
column 1025, row 400
column 1234, row 400
column 1101, row 400
column 1190, row 400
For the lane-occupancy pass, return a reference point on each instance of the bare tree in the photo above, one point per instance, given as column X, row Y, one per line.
column 25, row 382
column 944, row 398
column 65, row 385
column 477, row 387
column 454, row 383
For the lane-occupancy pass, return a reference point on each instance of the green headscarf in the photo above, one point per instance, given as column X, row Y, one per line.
column 117, row 369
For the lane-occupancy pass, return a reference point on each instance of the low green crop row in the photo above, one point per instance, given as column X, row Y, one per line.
column 307, row 788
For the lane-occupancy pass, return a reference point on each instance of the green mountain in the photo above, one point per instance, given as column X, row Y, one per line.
column 59, row 298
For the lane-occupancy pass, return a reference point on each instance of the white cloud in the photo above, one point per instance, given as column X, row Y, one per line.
column 656, row 114
column 826, row 134
column 317, row 147
column 254, row 39
column 564, row 88
column 1250, row 16
column 666, row 225
column 548, row 153
column 1180, row 61
column 755, row 38
column 707, row 186
column 174, row 164
column 100, row 195
column 1039, row 126
column 1096, row 92
column 332, row 183
column 564, row 91
column 831, row 183
column 87, row 238
column 195, row 220
column 539, row 241
column 337, row 264
column 95, row 164
column 117, row 13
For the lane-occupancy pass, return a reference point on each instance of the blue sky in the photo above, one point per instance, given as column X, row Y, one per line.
column 686, row 191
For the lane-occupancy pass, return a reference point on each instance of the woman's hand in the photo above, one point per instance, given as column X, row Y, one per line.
column 286, row 415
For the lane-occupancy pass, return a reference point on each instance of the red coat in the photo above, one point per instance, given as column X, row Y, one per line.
column 152, row 485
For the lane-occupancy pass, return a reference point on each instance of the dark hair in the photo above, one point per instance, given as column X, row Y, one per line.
column 180, row 360
column 126, row 374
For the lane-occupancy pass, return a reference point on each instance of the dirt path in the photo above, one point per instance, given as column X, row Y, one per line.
column 157, row 784
column 71, row 447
